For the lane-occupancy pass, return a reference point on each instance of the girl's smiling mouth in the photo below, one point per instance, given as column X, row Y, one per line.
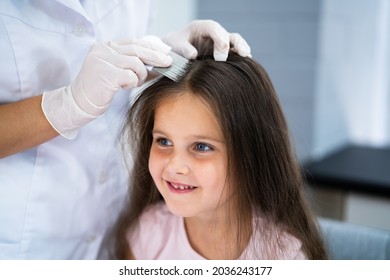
column 179, row 188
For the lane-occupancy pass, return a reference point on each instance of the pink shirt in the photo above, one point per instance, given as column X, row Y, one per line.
column 160, row 235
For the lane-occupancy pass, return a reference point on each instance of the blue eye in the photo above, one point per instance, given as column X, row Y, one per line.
column 163, row 142
column 202, row 147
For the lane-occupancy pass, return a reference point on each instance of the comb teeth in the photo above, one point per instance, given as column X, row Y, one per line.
column 176, row 69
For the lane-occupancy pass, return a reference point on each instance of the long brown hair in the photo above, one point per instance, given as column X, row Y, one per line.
column 261, row 160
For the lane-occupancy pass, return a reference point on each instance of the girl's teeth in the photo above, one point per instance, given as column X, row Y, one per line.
column 182, row 187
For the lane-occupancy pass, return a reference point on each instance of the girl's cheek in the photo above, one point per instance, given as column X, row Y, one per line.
column 153, row 161
column 157, row 158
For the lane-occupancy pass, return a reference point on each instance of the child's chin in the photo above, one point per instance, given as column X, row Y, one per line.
column 180, row 210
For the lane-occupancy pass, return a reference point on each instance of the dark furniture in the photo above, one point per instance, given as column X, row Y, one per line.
column 352, row 168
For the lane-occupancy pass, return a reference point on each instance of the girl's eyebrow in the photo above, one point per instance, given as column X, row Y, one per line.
column 197, row 137
column 202, row 137
column 157, row 131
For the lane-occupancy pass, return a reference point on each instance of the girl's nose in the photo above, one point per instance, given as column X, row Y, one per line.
column 178, row 164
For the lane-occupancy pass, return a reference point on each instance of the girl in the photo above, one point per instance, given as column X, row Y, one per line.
column 214, row 173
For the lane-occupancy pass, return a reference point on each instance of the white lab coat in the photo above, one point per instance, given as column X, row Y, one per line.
column 58, row 200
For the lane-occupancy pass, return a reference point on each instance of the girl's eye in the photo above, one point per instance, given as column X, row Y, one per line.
column 202, row 147
column 163, row 142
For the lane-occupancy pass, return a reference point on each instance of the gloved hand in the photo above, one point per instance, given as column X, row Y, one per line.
column 107, row 68
column 181, row 41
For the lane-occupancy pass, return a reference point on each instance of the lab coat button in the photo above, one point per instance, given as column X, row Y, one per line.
column 90, row 238
column 79, row 30
column 102, row 177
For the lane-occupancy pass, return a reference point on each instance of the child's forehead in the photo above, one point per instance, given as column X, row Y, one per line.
column 184, row 102
column 187, row 112
column 185, row 98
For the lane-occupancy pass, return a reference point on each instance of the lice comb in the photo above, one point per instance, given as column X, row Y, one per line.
column 177, row 68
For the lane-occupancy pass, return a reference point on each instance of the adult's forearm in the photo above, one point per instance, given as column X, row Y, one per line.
column 23, row 126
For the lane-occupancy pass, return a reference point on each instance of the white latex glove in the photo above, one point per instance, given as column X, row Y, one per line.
column 107, row 68
column 181, row 41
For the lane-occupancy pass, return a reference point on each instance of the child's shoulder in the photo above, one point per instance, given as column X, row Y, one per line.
column 149, row 235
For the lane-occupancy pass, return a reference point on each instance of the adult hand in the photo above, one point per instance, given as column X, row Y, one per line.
column 107, row 68
column 181, row 41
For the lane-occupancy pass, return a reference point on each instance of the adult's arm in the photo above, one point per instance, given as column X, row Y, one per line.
column 107, row 68
column 23, row 126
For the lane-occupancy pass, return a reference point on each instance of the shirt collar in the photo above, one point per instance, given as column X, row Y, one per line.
column 74, row 5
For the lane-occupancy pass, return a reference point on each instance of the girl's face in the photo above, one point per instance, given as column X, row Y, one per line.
column 188, row 157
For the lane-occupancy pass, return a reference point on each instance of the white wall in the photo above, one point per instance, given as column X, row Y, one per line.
column 352, row 100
